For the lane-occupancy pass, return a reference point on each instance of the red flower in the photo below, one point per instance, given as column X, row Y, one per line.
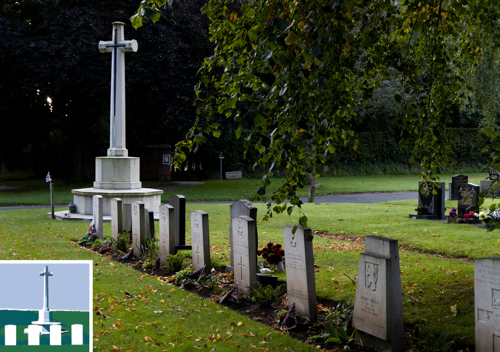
column 270, row 245
column 277, row 245
column 282, row 252
column 264, row 255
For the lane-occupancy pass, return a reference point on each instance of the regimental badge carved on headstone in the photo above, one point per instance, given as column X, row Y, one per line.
column 378, row 306
column 241, row 207
column 371, row 273
column 487, row 304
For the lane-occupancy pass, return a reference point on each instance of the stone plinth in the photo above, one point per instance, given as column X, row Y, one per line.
column 117, row 173
column 83, row 198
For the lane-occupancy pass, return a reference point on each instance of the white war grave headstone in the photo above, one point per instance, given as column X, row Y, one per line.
column 200, row 240
column 487, row 304
column 98, row 215
column 116, row 218
column 244, row 251
column 378, row 304
column 300, row 281
column 138, row 235
column 167, row 236
column 241, row 207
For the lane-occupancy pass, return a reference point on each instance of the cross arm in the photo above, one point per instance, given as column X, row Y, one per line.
column 125, row 45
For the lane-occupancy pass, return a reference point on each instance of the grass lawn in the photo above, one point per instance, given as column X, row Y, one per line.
column 436, row 268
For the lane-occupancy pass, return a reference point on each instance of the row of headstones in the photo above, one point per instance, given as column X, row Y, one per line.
column 34, row 332
column 378, row 306
column 243, row 241
column 460, row 189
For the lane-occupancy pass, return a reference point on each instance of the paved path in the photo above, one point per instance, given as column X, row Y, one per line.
column 345, row 198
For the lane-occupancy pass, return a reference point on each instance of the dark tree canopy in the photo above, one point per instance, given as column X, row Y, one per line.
column 49, row 49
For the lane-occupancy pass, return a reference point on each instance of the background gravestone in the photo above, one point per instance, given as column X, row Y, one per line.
column 435, row 202
column 241, row 208
column 454, row 186
column 244, row 250
column 98, row 215
column 116, row 218
column 149, row 223
column 127, row 217
column 300, row 281
column 138, row 235
column 378, row 305
column 200, row 240
column 179, row 203
column 487, row 304
column 468, row 200
column 167, row 238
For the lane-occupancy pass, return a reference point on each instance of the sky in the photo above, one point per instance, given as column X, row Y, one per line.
column 70, row 287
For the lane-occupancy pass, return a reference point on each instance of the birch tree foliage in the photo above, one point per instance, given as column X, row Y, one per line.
column 290, row 74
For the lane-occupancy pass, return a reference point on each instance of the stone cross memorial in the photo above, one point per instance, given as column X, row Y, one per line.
column 167, row 238
column 138, row 235
column 300, row 281
column 98, row 215
column 200, row 240
column 116, row 218
column 487, row 304
column 179, row 203
column 244, row 251
column 241, row 208
column 118, row 46
column 454, row 186
column 378, row 305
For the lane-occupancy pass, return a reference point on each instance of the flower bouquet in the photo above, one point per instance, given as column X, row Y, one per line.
column 421, row 210
column 273, row 254
column 452, row 215
column 490, row 218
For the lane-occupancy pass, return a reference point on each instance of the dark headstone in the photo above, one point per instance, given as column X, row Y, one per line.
column 467, row 199
column 179, row 203
column 434, row 203
column 456, row 182
column 149, row 223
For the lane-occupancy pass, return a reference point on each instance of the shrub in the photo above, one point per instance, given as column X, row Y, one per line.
column 265, row 295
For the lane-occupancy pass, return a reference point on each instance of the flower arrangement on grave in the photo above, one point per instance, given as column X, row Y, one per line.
column 272, row 253
column 469, row 216
column 490, row 218
column 421, row 210
column 452, row 215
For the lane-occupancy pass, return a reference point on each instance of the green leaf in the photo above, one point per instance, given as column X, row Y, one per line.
column 238, row 132
column 490, row 133
column 136, row 21
column 259, row 120
column 303, row 221
column 261, row 191
column 397, row 97
column 252, row 35
column 291, row 39
column 455, row 88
